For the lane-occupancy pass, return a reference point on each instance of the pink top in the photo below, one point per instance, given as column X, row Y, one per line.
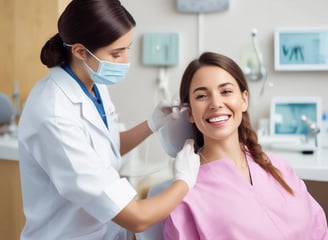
column 224, row 205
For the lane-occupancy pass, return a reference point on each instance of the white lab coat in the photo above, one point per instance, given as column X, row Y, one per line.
column 69, row 163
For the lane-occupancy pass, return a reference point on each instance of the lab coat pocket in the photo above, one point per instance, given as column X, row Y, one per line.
column 96, row 235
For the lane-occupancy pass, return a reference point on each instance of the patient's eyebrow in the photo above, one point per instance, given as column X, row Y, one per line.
column 199, row 89
column 219, row 86
column 225, row 84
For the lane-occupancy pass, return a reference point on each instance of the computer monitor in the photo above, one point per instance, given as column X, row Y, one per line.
column 287, row 113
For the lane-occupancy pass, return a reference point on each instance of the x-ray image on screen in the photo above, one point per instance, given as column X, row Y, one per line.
column 286, row 115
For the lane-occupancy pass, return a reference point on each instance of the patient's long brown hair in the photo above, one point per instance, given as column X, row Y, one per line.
column 247, row 136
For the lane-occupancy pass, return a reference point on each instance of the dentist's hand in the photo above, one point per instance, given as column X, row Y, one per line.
column 161, row 114
column 186, row 164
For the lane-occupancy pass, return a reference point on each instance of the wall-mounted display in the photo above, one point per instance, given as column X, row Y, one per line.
column 301, row 49
column 202, row 6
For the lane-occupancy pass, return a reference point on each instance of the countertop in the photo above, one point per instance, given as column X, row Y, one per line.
column 307, row 166
column 8, row 148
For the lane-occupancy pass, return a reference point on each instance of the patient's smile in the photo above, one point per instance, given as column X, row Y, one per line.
column 218, row 119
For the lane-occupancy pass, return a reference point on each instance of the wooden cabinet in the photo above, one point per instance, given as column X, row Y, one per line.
column 11, row 211
column 25, row 26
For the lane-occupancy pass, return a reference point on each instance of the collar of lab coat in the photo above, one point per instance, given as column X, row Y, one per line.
column 74, row 92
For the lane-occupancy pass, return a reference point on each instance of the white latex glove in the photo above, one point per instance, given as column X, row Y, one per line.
column 164, row 111
column 186, row 164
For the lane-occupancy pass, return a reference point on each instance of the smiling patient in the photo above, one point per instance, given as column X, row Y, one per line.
column 241, row 192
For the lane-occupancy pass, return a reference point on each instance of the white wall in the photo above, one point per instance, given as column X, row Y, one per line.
column 227, row 33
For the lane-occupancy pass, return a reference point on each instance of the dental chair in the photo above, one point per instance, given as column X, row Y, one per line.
column 155, row 232
column 7, row 112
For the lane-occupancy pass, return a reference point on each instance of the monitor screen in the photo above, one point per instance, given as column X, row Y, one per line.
column 287, row 114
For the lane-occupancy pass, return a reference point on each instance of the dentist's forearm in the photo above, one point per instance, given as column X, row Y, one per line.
column 129, row 139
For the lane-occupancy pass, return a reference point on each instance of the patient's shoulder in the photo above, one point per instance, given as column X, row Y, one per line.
column 282, row 165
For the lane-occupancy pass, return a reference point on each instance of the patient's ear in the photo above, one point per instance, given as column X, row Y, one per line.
column 244, row 101
column 191, row 117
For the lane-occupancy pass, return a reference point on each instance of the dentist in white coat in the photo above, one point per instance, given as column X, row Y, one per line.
column 69, row 144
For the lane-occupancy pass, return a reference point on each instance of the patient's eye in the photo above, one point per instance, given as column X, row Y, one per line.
column 226, row 91
column 201, row 96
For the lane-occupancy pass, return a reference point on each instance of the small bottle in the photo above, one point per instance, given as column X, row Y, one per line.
column 324, row 130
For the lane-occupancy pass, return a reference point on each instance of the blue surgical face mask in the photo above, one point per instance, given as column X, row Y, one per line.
column 108, row 72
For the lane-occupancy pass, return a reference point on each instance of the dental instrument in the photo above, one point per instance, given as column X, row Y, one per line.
column 313, row 129
column 176, row 107
column 252, row 73
column 16, row 97
column 180, row 106
column 263, row 74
